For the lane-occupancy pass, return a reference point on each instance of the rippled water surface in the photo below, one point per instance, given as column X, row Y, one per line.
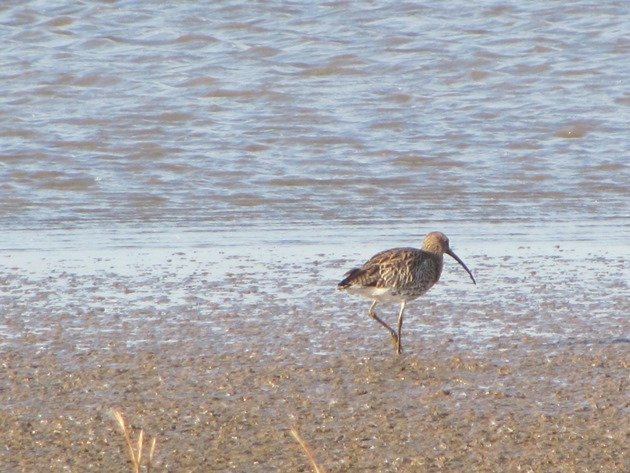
column 250, row 114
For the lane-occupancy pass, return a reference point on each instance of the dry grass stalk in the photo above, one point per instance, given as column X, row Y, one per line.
column 151, row 450
column 135, row 452
column 307, row 450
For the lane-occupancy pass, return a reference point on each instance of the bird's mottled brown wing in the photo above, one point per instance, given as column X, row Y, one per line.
column 389, row 268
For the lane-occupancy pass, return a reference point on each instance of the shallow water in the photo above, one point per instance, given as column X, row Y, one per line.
column 245, row 115
column 560, row 292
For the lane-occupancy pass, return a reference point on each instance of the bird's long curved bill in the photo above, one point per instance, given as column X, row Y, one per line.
column 456, row 258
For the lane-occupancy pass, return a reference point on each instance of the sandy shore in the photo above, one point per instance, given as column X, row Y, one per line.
column 218, row 355
column 535, row 408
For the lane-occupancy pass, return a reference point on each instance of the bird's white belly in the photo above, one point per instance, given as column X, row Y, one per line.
column 381, row 294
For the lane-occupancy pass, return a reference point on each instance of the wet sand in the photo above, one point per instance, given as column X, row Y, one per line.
column 437, row 409
column 220, row 354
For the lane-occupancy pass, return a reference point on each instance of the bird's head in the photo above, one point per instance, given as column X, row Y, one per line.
column 437, row 242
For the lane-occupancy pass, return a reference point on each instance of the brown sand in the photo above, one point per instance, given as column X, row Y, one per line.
column 436, row 410
column 528, row 371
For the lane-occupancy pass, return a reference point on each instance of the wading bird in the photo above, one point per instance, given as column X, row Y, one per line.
column 400, row 275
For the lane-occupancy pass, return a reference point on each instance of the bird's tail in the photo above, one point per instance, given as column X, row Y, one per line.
column 350, row 276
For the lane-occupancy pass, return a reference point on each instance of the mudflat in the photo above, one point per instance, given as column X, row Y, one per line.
column 528, row 406
column 218, row 356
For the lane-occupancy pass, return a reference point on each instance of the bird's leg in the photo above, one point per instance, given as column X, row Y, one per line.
column 400, row 322
column 372, row 314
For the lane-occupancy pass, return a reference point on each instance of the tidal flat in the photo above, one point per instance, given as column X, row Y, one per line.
column 219, row 353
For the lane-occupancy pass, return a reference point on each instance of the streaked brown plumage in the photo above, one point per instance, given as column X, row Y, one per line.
column 400, row 275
